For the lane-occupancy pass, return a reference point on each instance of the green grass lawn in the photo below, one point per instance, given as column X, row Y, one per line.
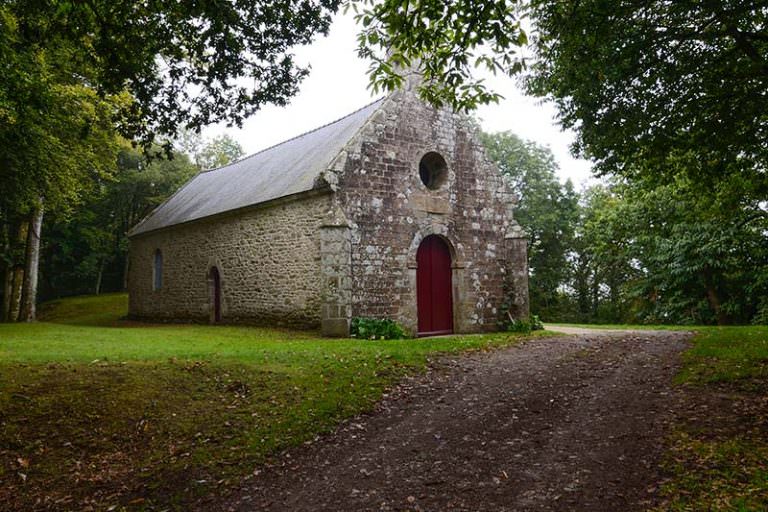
column 99, row 411
column 735, row 355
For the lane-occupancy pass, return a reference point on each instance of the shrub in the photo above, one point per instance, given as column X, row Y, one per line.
column 761, row 317
column 377, row 329
column 518, row 326
column 532, row 324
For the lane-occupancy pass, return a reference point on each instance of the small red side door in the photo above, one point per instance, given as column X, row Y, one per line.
column 433, row 287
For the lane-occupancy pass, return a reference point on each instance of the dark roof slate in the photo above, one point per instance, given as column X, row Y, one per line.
column 287, row 168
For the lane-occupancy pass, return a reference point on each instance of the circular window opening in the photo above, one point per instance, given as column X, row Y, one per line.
column 433, row 170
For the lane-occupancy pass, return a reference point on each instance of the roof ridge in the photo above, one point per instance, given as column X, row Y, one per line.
column 294, row 137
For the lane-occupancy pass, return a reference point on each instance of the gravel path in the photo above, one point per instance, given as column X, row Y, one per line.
column 568, row 423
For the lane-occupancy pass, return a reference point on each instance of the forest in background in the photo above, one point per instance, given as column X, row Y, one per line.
column 623, row 251
column 667, row 99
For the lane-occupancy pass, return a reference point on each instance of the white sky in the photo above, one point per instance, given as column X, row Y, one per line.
column 337, row 85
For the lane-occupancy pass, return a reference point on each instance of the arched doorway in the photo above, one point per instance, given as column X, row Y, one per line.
column 434, row 290
column 215, row 295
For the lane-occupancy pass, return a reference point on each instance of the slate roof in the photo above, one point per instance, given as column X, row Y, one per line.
column 287, row 168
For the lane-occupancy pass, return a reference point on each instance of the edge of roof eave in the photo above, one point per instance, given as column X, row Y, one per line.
column 277, row 201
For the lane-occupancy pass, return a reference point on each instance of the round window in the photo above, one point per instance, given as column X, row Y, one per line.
column 433, row 170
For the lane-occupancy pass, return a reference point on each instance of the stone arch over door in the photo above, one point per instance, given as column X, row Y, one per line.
column 434, row 287
column 409, row 312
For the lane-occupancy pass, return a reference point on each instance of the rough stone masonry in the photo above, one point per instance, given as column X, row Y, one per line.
column 326, row 227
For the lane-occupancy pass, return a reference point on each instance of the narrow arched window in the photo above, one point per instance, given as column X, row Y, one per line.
column 157, row 271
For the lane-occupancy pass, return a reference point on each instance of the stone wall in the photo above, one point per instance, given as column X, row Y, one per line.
column 390, row 211
column 268, row 259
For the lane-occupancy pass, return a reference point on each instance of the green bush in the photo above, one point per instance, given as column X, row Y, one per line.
column 377, row 329
column 532, row 324
column 761, row 317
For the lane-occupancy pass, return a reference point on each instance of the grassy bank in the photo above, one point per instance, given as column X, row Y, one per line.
column 718, row 458
column 737, row 356
column 97, row 412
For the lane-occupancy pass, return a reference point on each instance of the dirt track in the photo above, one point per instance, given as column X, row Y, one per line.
column 571, row 423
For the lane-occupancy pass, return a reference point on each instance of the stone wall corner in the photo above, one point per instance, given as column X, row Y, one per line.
column 516, row 275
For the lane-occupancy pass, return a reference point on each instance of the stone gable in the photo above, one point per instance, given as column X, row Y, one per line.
column 390, row 211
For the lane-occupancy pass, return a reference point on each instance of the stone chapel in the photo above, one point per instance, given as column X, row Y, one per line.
column 393, row 211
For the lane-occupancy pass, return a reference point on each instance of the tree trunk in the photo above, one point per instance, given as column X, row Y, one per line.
column 15, row 276
column 595, row 296
column 126, row 268
column 99, row 276
column 17, row 279
column 714, row 299
column 5, row 314
column 32, row 263
column 714, row 303
column 7, row 272
column 615, row 295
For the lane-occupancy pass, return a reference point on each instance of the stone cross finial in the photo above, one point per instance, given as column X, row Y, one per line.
column 411, row 74
column 413, row 77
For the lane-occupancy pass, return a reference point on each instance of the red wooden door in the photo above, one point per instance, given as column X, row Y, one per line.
column 216, row 278
column 433, row 287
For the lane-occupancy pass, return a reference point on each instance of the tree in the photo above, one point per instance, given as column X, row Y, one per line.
column 670, row 96
column 668, row 254
column 56, row 136
column 704, row 257
column 547, row 210
column 65, row 69
column 189, row 64
column 209, row 154
column 678, row 86
column 603, row 256
column 444, row 42
column 184, row 63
